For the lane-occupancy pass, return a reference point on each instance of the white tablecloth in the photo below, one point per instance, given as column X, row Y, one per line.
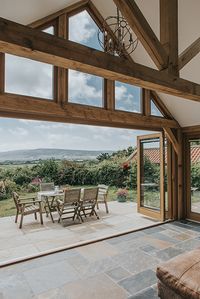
column 42, row 194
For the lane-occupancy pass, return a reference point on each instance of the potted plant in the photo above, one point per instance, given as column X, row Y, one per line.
column 122, row 195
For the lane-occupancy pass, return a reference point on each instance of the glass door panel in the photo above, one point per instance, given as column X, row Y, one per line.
column 193, row 153
column 151, row 176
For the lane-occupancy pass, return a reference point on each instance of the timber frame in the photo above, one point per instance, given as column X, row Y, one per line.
column 29, row 42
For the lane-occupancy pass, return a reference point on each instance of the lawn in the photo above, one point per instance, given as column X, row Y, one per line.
column 7, row 206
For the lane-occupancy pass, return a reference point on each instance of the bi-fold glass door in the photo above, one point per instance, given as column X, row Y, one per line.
column 193, row 178
column 151, row 175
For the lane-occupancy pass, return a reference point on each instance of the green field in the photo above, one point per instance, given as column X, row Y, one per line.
column 7, row 207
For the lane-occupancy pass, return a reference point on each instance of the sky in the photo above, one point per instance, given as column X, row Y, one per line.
column 27, row 77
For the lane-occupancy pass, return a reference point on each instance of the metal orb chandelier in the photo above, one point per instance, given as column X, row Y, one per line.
column 116, row 37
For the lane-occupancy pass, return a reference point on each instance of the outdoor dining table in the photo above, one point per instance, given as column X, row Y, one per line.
column 44, row 197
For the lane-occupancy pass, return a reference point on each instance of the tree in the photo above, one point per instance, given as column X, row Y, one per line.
column 103, row 156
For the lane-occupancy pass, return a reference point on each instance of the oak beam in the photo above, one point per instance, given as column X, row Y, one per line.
column 146, row 102
column 189, row 53
column 30, row 43
column 170, row 135
column 142, row 29
column 16, row 105
column 161, row 106
column 62, row 72
column 109, row 95
column 169, row 32
column 2, row 72
column 180, row 174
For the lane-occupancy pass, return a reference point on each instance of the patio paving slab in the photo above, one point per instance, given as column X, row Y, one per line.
column 35, row 238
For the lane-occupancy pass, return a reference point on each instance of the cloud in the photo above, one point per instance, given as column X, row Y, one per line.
column 85, row 88
column 28, row 77
column 81, row 28
column 127, row 97
column 19, row 132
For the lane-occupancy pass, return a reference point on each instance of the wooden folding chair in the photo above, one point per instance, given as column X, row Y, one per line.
column 102, row 196
column 88, row 203
column 27, row 206
column 69, row 205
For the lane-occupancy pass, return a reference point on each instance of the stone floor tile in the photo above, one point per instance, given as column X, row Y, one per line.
column 139, row 281
column 167, row 253
column 97, row 287
column 136, row 261
column 148, row 248
column 97, row 251
column 149, row 293
column 163, row 237
column 50, row 276
column 15, row 287
column 154, row 230
column 189, row 244
column 89, row 269
column 126, row 237
column 118, row 273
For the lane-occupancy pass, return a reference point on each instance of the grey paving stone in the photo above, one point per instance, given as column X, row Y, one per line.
column 118, row 273
column 15, row 287
column 189, row 244
column 153, row 230
column 138, row 282
column 136, row 261
column 50, row 276
column 126, row 237
column 149, row 293
column 162, row 237
column 168, row 253
column 90, row 269
column 148, row 248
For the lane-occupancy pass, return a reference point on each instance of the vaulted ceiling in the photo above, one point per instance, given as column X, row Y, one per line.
column 185, row 112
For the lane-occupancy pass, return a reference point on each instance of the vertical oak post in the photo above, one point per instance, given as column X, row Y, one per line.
column 109, row 94
column 146, row 102
column 169, row 32
column 180, row 174
column 2, row 72
column 62, row 74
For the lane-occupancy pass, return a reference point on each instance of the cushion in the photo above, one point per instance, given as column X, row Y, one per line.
column 182, row 274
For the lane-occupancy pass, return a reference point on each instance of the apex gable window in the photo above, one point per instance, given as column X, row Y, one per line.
column 154, row 110
column 28, row 77
column 83, row 30
column 127, row 97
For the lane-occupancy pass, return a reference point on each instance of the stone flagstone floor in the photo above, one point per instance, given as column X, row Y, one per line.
column 118, row 268
column 34, row 239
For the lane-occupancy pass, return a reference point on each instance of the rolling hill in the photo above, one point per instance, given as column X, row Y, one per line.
column 47, row 153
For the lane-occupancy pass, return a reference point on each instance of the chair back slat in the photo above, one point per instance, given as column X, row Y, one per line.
column 47, row 186
column 90, row 194
column 72, row 196
column 103, row 189
column 16, row 199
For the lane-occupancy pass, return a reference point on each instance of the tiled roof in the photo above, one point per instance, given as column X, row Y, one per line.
column 154, row 156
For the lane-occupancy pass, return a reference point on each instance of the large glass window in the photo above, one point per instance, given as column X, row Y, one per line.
column 127, row 97
column 83, row 30
column 85, row 89
column 28, row 77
